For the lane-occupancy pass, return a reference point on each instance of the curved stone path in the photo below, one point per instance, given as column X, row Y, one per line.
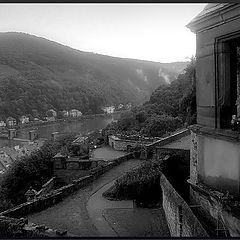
column 97, row 204
column 122, row 219
column 87, row 214
column 72, row 214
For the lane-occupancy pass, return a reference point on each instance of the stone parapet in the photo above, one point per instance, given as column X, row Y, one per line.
column 21, row 228
column 168, row 139
column 59, row 194
column 181, row 220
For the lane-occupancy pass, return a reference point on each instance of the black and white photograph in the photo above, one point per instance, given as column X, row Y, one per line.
column 119, row 120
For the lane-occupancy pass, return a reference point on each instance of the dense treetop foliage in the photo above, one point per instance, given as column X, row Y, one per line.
column 37, row 74
column 169, row 107
column 33, row 170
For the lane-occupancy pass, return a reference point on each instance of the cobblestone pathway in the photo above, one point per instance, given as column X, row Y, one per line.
column 72, row 213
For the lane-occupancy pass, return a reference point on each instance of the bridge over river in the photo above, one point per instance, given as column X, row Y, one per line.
column 87, row 214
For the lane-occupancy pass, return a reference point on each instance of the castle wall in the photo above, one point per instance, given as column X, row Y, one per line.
column 181, row 220
column 121, row 145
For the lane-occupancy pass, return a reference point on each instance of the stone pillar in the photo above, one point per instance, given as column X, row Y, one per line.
column 194, row 158
column 143, row 155
column 30, row 194
column 12, row 133
column 32, row 135
column 54, row 136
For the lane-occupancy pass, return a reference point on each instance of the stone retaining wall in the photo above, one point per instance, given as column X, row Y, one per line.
column 122, row 144
column 180, row 218
column 66, row 176
column 21, row 228
column 169, row 139
column 57, row 195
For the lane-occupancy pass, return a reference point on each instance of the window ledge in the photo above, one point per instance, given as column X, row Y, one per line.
column 225, row 134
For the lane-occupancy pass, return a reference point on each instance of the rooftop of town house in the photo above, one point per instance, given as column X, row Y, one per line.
column 60, row 155
column 133, row 138
column 5, row 159
column 73, row 110
column 108, row 107
column 32, row 146
column 2, row 168
column 10, row 118
column 80, row 139
column 114, row 137
column 13, row 153
column 76, row 159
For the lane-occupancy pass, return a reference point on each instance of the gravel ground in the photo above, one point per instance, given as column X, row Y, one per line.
column 71, row 214
column 137, row 222
column 107, row 153
column 121, row 219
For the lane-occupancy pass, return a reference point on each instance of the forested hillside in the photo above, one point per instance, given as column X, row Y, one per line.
column 169, row 107
column 39, row 74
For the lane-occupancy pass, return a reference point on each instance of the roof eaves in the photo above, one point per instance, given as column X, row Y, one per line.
column 208, row 13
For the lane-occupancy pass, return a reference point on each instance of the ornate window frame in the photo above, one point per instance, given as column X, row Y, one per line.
column 225, row 82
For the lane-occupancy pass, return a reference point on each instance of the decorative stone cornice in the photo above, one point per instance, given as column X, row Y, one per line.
column 214, row 15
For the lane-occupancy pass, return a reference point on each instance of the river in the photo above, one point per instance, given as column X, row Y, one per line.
column 80, row 127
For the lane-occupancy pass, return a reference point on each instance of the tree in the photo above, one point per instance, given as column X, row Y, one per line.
column 141, row 116
column 49, row 113
column 33, row 170
column 157, row 125
column 30, row 117
column 188, row 105
column 35, row 113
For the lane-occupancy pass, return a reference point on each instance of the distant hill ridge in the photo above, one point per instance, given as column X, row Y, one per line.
column 36, row 73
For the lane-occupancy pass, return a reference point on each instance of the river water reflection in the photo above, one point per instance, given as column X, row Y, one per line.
column 80, row 127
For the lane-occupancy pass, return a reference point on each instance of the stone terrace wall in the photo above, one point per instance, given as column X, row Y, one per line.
column 21, row 228
column 181, row 220
column 66, row 176
column 59, row 194
column 121, row 144
column 168, row 139
column 35, row 205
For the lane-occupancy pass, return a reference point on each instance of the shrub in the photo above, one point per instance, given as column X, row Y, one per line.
column 141, row 184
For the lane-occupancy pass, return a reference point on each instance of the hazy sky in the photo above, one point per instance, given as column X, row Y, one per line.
column 153, row 32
